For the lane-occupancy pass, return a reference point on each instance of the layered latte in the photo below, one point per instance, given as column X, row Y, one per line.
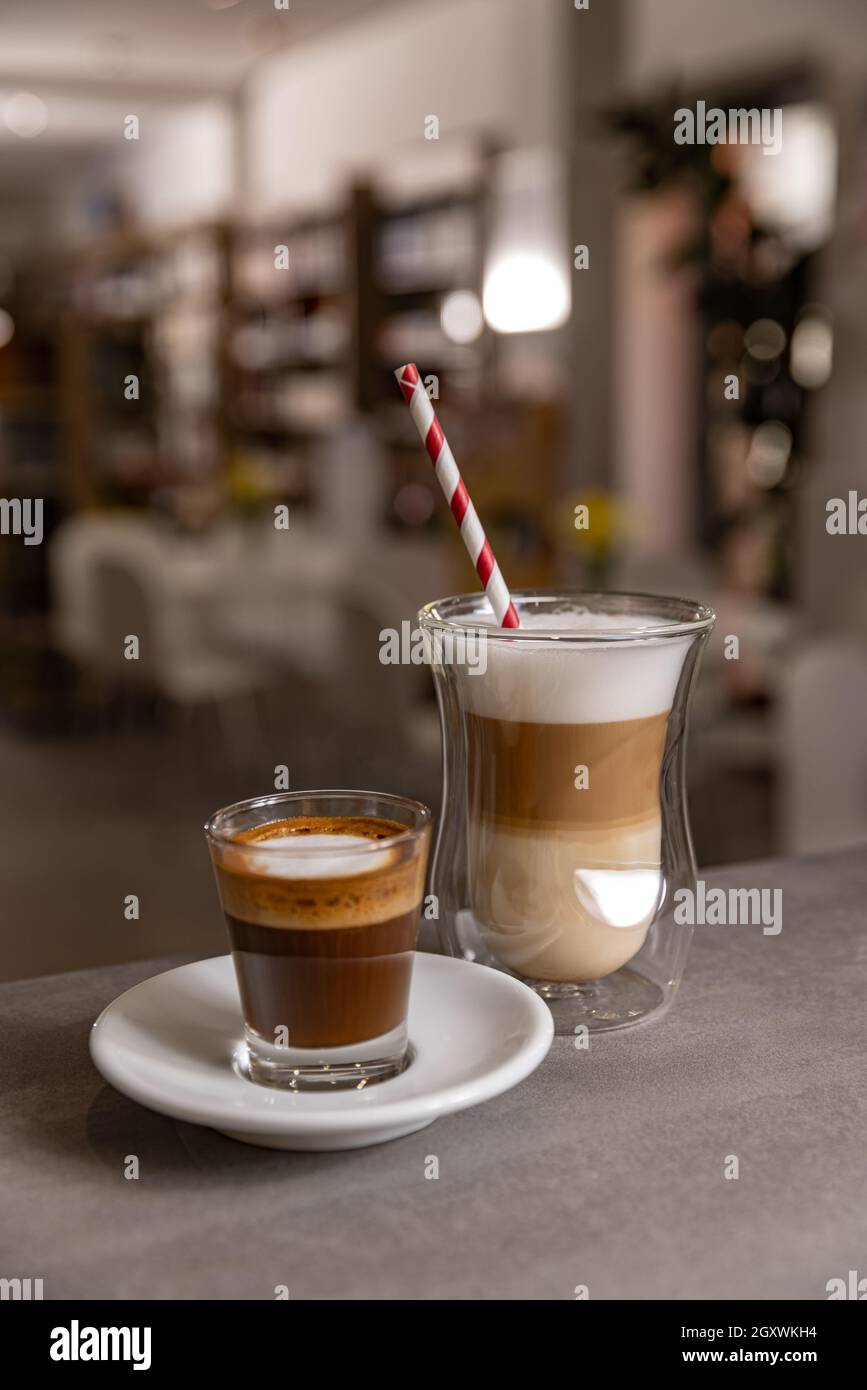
column 565, row 742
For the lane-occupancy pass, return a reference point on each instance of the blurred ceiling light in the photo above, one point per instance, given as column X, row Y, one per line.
column 526, row 294
column 812, row 351
column 765, row 339
column 794, row 193
column 221, row 4
column 461, row 316
column 7, row 328
column 528, row 275
column 25, row 115
column 770, row 450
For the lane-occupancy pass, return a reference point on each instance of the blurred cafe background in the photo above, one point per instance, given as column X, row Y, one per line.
column 222, row 225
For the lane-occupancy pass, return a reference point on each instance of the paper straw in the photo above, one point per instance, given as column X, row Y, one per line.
column 455, row 493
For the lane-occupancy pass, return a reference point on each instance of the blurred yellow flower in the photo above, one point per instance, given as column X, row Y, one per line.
column 247, row 483
column 597, row 521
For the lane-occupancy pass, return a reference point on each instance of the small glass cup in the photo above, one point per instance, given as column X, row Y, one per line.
column 322, row 932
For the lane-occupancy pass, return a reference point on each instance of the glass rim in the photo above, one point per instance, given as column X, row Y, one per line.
column 692, row 617
column 217, row 836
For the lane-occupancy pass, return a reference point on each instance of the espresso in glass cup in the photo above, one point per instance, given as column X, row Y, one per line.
column 322, row 894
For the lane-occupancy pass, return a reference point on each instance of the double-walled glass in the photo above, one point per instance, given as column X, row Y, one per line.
column 564, row 834
column 322, row 894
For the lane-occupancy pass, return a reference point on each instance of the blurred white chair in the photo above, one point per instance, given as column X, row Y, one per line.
column 112, row 579
column 129, row 600
column 823, row 729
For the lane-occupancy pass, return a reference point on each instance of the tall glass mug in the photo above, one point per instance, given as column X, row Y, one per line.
column 564, row 834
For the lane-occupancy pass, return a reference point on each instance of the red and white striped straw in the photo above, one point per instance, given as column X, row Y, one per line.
column 456, row 494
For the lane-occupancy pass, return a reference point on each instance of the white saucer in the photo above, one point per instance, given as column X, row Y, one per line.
column 170, row 1043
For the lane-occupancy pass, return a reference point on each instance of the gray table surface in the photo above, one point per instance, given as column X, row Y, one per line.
column 604, row 1168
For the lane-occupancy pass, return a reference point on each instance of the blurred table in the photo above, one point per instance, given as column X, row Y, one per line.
column 604, row 1168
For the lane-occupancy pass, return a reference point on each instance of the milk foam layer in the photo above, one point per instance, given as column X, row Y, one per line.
column 315, row 873
column 549, row 682
column 311, row 862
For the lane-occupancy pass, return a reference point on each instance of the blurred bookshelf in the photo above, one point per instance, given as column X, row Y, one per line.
column 256, row 342
column 294, row 342
column 192, row 300
column 107, row 383
column 29, row 433
column 143, row 369
column 753, row 246
column 31, row 674
column 757, row 305
column 263, row 353
column 428, row 258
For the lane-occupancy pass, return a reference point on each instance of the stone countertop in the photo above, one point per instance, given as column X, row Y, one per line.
column 605, row 1168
